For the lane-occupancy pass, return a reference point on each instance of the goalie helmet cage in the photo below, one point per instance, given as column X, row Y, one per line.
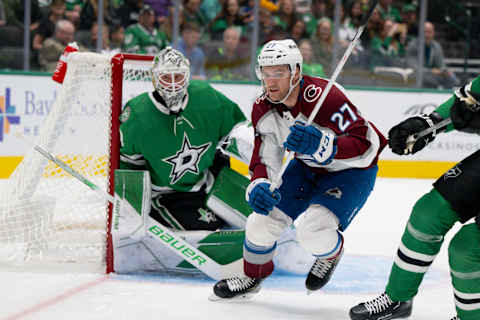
column 47, row 217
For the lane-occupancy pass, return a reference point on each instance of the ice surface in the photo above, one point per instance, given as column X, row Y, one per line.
column 370, row 243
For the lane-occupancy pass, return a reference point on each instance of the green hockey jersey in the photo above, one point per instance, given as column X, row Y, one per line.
column 176, row 149
column 140, row 40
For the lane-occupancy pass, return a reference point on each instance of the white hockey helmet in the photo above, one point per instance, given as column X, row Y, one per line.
column 280, row 52
column 170, row 76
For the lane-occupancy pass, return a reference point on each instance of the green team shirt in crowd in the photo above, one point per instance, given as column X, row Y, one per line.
column 71, row 4
column 140, row 40
column 176, row 149
column 444, row 108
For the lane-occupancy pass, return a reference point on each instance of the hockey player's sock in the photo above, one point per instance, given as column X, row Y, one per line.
column 258, row 270
column 429, row 221
column 257, row 260
column 465, row 271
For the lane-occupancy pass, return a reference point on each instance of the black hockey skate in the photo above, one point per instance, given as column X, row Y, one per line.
column 382, row 308
column 236, row 288
column 455, row 318
column 321, row 272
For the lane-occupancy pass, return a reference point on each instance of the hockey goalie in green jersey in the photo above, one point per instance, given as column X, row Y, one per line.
column 175, row 175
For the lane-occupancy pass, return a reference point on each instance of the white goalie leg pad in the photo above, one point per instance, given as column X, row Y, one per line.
column 317, row 231
column 264, row 230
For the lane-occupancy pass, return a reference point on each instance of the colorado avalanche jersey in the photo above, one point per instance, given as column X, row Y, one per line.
column 359, row 142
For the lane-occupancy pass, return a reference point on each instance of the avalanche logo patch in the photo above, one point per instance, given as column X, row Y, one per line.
column 186, row 159
column 334, row 192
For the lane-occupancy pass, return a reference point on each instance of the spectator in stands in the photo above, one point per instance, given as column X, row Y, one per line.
column 88, row 15
column 302, row 6
column 161, row 8
column 388, row 48
column 310, row 68
column 374, row 28
column 46, row 28
column 192, row 13
column 117, row 37
column 211, row 8
column 229, row 61
column 354, row 14
column 286, row 15
column 322, row 42
column 188, row 46
column 347, row 31
column 229, row 16
column 53, row 47
column 91, row 43
column 409, row 17
column 74, row 7
column 320, row 9
column 3, row 16
column 436, row 74
column 14, row 13
column 167, row 27
column 265, row 25
column 387, row 11
column 143, row 37
column 299, row 31
column 129, row 12
column 246, row 11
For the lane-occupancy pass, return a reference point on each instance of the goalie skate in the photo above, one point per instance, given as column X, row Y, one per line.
column 236, row 288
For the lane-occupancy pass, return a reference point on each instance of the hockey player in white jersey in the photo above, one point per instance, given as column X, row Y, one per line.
column 323, row 187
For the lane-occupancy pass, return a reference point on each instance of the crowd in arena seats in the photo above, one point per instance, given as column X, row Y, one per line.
column 215, row 34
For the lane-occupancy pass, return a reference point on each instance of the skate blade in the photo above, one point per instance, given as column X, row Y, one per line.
column 241, row 298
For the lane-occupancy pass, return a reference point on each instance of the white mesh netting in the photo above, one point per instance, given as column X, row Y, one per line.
column 47, row 216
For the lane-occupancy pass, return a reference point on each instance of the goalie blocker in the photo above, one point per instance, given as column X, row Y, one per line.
column 139, row 240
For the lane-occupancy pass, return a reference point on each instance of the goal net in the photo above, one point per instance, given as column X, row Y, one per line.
column 48, row 217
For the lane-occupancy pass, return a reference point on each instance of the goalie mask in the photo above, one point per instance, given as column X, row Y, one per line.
column 170, row 76
column 276, row 53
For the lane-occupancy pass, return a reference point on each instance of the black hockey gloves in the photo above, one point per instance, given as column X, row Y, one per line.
column 398, row 135
column 465, row 112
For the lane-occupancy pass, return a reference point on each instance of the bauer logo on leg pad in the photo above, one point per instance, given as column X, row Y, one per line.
column 189, row 254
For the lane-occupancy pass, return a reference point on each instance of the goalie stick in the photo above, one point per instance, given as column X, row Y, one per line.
column 201, row 261
column 363, row 24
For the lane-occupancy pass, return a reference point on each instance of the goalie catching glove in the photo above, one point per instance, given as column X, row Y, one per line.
column 399, row 135
column 260, row 198
column 465, row 110
column 319, row 144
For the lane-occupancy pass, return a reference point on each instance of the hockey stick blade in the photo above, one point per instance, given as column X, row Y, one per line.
column 190, row 253
column 289, row 155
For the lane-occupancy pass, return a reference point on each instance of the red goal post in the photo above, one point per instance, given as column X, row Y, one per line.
column 118, row 62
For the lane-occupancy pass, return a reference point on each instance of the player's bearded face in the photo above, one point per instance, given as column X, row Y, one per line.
column 276, row 81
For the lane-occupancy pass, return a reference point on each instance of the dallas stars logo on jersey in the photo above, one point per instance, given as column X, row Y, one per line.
column 186, row 159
